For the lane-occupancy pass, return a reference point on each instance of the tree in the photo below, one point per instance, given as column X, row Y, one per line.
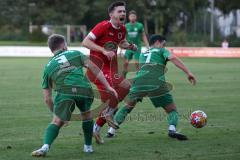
column 226, row 6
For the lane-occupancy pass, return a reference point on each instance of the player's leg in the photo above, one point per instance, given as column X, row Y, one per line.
column 124, row 111
column 127, row 57
column 133, row 97
column 50, row 135
column 111, row 131
column 121, row 115
column 62, row 111
column 166, row 101
column 84, row 105
column 122, row 87
column 107, row 112
column 172, row 121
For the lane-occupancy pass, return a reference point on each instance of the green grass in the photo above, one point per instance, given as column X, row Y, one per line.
column 24, row 116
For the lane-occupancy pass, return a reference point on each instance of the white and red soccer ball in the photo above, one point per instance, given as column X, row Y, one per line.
column 198, row 119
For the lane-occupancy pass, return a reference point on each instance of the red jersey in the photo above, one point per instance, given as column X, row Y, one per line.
column 106, row 35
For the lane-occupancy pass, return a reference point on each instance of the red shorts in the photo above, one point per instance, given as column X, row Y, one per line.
column 115, row 81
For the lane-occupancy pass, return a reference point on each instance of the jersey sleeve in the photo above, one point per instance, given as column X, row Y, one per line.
column 45, row 79
column 141, row 28
column 98, row 31
column 78, row 58
column 166, row 54
column 83, row 58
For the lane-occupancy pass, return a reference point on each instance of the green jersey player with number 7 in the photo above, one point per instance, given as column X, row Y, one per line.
column 150, row 81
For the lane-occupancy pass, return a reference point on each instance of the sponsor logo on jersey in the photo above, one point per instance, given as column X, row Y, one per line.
column 110, row 34
column 132, row 34
column 110, row 46
column 120, row 35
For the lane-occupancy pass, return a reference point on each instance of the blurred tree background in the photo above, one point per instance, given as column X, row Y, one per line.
column 185, row 22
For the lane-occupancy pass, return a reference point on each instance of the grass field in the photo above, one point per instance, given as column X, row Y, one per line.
column 24, row 116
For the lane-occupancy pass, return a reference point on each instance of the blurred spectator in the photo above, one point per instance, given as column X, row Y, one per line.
column 225, row 43
column 73, row 35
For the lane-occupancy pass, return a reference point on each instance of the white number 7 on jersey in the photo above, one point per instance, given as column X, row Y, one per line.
column 148, row 54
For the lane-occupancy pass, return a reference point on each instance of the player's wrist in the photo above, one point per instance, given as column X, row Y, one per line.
column 132, row 46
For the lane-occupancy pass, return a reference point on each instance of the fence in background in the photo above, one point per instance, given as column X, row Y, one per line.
column 24, row 51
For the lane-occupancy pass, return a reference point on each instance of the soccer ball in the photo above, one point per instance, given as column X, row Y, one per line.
column 198, row 119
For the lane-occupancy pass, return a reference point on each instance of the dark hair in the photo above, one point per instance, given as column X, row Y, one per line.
column 115, row 4
column 132, row 12
column 54, row 41
column 155, row 38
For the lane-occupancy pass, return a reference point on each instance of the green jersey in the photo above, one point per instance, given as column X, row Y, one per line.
column 153, row 62
column 134, row 33
column 155, row 55
column 150, row 80
column 65, row 70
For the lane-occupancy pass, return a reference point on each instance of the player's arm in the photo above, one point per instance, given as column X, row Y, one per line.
column 47, row 93
column 89, row 43
column 126, row 45
column 175, row 60
column 145, row 39
column 47, row 89
column 99, row 75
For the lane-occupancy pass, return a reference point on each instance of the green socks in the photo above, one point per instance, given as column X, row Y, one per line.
column 51, row 133
column 173, row 118
column 87, row 127
column 122, row 114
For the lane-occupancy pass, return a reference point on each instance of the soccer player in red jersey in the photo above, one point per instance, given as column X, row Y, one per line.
column 103, row 42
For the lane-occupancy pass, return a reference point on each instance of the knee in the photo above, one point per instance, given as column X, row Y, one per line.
column 113, row 102
column 57, row 121
column 87, row 116
column 171, row 107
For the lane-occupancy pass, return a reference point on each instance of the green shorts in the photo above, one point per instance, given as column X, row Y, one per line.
column 158, row 101
column 129, row 54
column 64, row 105
column 162, row 101
column 158, row 91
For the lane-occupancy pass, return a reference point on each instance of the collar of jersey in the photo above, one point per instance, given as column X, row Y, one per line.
column 115, row 27
column 58, row 52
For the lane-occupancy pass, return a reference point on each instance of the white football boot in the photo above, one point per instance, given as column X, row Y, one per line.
column 87, row 148
column 42, row 152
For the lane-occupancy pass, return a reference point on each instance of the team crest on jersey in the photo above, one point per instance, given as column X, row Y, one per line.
column 120, row 35
column 110, row 46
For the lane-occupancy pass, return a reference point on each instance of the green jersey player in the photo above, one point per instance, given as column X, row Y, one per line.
column 64, row 74
column 150, row 81
column 135, row 35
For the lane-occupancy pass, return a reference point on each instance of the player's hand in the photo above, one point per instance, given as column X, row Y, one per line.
column 133, row 47
column 192, row 78
column 112, row 91
column 109, row 54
